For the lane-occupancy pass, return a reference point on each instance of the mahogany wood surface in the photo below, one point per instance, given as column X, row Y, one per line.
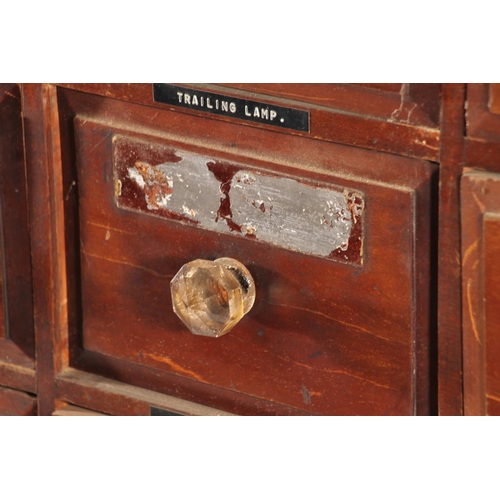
column 3, row 326
column 395, row 333
column 326, row 123
column 16, row 404
column 449, row 269
column 17, row 349
column 310, row 345
column 117, row 398
column 494, row 98
column 483, row 154
column 415, row 104
column 481, row 292
column 67, row 410
column 483, row 118
column 47, row 237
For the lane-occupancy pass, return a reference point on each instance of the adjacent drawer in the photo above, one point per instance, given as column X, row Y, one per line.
column 480, row 200
column 17, row 351
column 16, row 403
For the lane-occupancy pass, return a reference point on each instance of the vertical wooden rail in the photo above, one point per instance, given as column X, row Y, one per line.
column 43, row 156
column 450, row 391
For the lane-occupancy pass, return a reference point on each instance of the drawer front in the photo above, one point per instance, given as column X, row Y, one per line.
column 480, row 199
column 340, row 330
column 483, row 111
column 16, row 313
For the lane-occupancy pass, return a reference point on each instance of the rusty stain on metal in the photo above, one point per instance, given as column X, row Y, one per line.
column 226, row 197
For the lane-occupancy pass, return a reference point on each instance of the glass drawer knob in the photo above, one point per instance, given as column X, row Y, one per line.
column 210, row 297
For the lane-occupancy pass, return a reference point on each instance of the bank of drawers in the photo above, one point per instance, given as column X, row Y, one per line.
column 341, row 332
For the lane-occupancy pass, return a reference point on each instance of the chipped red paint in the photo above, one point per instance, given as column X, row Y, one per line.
column 128, row 154
column 224, row 173
column 144, row 157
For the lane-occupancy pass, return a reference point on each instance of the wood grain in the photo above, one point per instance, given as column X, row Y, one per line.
column 483, row 122
column 312, row 346
column 494, row 98
column 326, row 123
column 116, row 398
column 481, row 292
column 482, row 154
column 67, row 410
column 449, row 267
column 15, row 403
column 16, row 316
column 415, row 104
column 3, row 325
column 47, row 237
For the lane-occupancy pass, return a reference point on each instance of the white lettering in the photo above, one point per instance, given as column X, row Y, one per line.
column 273, row 114
column 208, row 103
column 216, row 103
column 246, row 111
column 180, row 96
column 195, row 101
column 201, row 99
column 264, row 113
column 232, row 107
column 224, row 106
column 256, row 112
column 187, row 99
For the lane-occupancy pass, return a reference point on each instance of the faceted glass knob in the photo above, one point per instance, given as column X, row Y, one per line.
column 210, row 297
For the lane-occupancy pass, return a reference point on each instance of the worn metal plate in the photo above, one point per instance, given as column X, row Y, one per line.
column 240, row 200
column 219, row 104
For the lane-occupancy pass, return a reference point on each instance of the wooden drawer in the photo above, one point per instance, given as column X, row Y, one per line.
column 483, row 111
column 480, row 199
column 344, row 332
column 17, row 351
column 16, row 403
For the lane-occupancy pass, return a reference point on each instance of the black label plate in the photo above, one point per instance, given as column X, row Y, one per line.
column 244, row 109
column 160, row 412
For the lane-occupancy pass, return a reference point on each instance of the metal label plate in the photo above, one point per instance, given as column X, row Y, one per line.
column 231, row 198
column 233, row 107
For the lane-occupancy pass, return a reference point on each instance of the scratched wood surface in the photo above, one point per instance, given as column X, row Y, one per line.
column 415, row 104
column 16, row 404
column 117, row 398
column 481, row 292
column 16, row 314
column 324, row 337
column 398, row 135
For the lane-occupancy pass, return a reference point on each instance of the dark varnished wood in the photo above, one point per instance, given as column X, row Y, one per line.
column 116, row 398
column 449, row 297
column 311, row 345
column 17, row 350
column 3, row 325
column 47, row 237
column 482, row 154
column 67, row 410
column 483, row 119
column 494, row 98
column 15, row 403
column 17, row 376
column 481, row 292
column 326, row 123
column 320, row 327
column 414, row 104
